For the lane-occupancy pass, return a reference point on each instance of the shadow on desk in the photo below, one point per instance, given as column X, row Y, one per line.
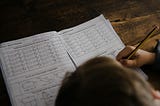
column 153, row 76
column 3, row 93
column 130, row 19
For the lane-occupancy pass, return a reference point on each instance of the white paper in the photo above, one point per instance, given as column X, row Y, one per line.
column 93, row 38
column 33, row 68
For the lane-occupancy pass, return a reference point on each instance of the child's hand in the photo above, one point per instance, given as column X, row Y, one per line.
column 140, row 58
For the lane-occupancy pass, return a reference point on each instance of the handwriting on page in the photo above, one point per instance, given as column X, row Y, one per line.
column 90, row 40
column 35, row 69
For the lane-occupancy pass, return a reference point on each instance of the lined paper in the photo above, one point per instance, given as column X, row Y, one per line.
column 93, row 38
column 33, row 69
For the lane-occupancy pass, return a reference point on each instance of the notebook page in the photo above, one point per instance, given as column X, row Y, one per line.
column 33, row 68
column 93, row 38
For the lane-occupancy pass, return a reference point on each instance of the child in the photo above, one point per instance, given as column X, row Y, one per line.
column 141, row 57
column 103, row 81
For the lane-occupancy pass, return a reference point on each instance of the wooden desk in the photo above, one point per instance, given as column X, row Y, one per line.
column 131, row 19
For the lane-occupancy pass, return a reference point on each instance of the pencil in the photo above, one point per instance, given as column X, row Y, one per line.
column 142, row 42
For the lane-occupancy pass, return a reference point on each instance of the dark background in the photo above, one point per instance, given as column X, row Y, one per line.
column 131, row 19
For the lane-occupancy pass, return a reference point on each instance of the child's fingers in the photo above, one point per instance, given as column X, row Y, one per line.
column 125, row 52
column 156, row 94
column 128, row 63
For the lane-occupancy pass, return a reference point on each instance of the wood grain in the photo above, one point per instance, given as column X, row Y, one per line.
column 131, row 19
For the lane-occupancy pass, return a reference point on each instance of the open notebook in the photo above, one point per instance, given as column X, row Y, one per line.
column 33, row 67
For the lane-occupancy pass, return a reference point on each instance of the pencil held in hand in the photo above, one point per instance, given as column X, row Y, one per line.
column 142, row 42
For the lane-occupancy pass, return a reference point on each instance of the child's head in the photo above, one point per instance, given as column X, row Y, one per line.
column 104, row 82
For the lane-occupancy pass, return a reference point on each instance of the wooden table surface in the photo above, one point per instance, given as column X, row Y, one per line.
column 131, row 19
